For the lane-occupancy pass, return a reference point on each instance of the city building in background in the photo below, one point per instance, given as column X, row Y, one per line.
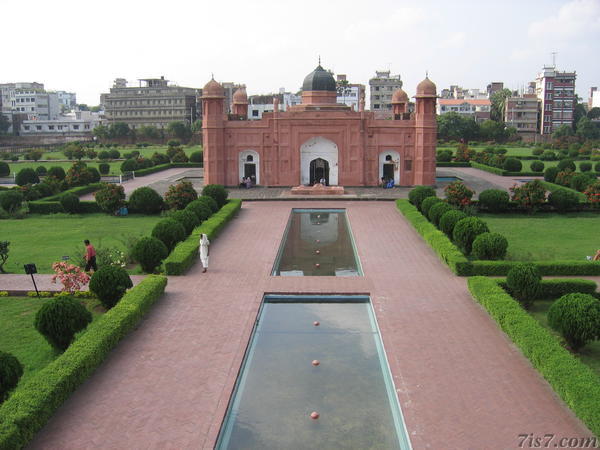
column 381, row 87
column 478, row 109
column 68, row 100
column 522, row 113
column 152, row 103
column 78, row 123
column 457, row 93
column 594, row 99
column 556, row 92
column 494, row 87
column 349, row 93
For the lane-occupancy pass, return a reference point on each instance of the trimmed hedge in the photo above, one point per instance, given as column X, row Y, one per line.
column 552, row 289
column 39, row 207
column 185, row 254
column 572, row 380
column 552, row 187
column 438, row 241
column 32, row 404
column 453, row 164
column 78, row 191
column 161, row 167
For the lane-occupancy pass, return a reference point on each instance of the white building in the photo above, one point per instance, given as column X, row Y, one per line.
column 77, row 123
column 67, row 99
column 595, row 103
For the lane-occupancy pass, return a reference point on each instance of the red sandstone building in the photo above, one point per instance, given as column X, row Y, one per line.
column 319, row 139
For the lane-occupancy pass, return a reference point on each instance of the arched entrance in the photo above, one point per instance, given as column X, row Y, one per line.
column 249, row 166
column 318, row 159
column 389, row 166
column 319, row 169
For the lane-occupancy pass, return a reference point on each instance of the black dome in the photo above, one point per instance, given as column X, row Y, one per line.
column 319, row 80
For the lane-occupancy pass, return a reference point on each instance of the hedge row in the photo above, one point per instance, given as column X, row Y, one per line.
column 507, row 173
column 490, row 169
column 78, row 191
column 573, row 381
column 438, row 241
column 43, row 207
column 553, row 187
column 551, row 289
column 185, row 254
column 453, row 164
column 161, row 167
column 33, row 403
column 458, row 263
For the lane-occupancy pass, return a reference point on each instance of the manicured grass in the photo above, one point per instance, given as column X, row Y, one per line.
column 589, row 355
column 546, row 236
column 510, row 151
column 145, row 151
column 42, row 239
column 21, row 339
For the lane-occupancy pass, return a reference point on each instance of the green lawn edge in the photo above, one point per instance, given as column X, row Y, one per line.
column 574, row 382
column 31, row 405
column 185, row 254
column 460, row 265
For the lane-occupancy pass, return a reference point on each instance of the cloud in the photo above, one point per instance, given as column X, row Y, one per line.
column 575, row 20
column 454, row 40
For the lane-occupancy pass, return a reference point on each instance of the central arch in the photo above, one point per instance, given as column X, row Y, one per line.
column 314, row 149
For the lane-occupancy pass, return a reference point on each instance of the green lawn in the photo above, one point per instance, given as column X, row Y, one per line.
column 546, row 236
column 145, row 151
column 510, row 151
column 590, row 354
column 527, row 164
column 44, row 239
column 21, row 339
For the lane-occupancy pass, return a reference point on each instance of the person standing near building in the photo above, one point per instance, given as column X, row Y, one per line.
column 204, row 244
column 90, row 257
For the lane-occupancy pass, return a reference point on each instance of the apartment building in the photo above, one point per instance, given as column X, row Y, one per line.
column 522, row 113
column 556, row 92
column 349, row 93
column 478, row 109
column 381, row 87
column 153, row 103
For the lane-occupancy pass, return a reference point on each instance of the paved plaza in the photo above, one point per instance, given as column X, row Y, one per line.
column 460, row 381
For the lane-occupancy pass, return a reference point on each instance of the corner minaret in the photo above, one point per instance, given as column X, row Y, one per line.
column 213, row 138
column 425, row 133
column 240, row 103
column 399, row 104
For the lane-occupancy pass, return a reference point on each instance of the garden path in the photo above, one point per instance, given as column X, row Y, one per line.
column 460, row 381
column 480, row 179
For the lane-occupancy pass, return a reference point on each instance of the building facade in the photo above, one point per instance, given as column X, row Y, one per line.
column 478, row 109
column 67, row 100
column 79, row 123
column 594, row 100
column 153, row 103
column 349, row 93
column 319, row 138
column 556, row 92
column 382, row 87
column 522, row 113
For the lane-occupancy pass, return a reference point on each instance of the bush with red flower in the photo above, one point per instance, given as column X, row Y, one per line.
column 592, row 194
column 71, row 276
column 458, row 194
column 180, row 195
column 529, row 196
column 110, row 197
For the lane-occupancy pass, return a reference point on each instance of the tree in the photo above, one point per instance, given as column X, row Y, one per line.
column 498, row 100
column 83, row 107
column 197, row 126
column 594, row 113
column 148, row 132
column 562, row 131
column 118, row 129
column 578, row 113
column 4, row 124
column 179, row 130
column 586, row 129
column 493, row 131
column 100, row 131
column 453, row 126
column 343, row 88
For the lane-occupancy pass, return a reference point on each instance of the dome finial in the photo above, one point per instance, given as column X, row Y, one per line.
column 427, row 74
column 212, row 75
column 319, row 59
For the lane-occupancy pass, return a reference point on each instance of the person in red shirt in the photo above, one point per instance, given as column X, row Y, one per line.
column 90, row 256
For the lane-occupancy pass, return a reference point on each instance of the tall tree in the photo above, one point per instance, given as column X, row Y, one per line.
column 593, row 113
column 586, row 129
column 343, row 89
column 498, row 100
column 179, row 130
column 453, row 126
column 4, row 124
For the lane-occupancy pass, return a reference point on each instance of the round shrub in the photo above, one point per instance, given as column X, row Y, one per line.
column 94, row 175
column 581, row 181
column 27, row 176
column 458, row 194
column 428, row 203
column 11, row 371
column 104, row 155
column 524, row 283
column 104, row 168
column 537, row 166
column 149, row 252
column 144, row 163
column 548, row 155
column 597, row 167
column 70, row 202
column 196, row 157
column 550, row 174
column 494, row 200
column 563, row 200
column 41, row 171
column 416, row 195
column 44, row 189
column 179, row 195
column 160, row 158
column 170, row 232
column 537, row 151
column 200, row 209
column 444, row 156
column 437, row 211
column 513, row 165
column 109, row 283
column 59, row 319
column 180, row 157
column 466, row 230
column 114, row 154
column 11, row 200
column 585, row 166
column 129, row 165
column 56, row 172
column 78, row 175
column 564, row 164
column 4, row 169
column 449, row 219
column 145, row 200
column 577, row 318
column 173, row 143
column 209, row 202
column 187, row 218
column 490, row 246
column 110, row 197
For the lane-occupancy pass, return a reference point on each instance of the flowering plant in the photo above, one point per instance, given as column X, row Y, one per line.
column 458, row 194
column 180, row 195
column 530, row 195
column 593, row 194
column 71, row 276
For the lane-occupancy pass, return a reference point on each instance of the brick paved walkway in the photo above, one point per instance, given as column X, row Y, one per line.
column 460, row 381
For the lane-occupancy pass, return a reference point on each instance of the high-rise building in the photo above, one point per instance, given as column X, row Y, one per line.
column 382, row 86
column 494, row 87
column 154, row 102
column 522, row 113
column 556, row 92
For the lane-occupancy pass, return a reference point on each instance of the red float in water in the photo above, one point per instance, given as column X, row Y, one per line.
column 314, row 415
column 316, row 362
column 317, row 251
column 316, row 324
column 317, row 265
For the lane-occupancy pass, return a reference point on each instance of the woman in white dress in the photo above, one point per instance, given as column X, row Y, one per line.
column 204, row 244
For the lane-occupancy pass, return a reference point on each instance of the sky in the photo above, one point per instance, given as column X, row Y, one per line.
column 82, row 47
